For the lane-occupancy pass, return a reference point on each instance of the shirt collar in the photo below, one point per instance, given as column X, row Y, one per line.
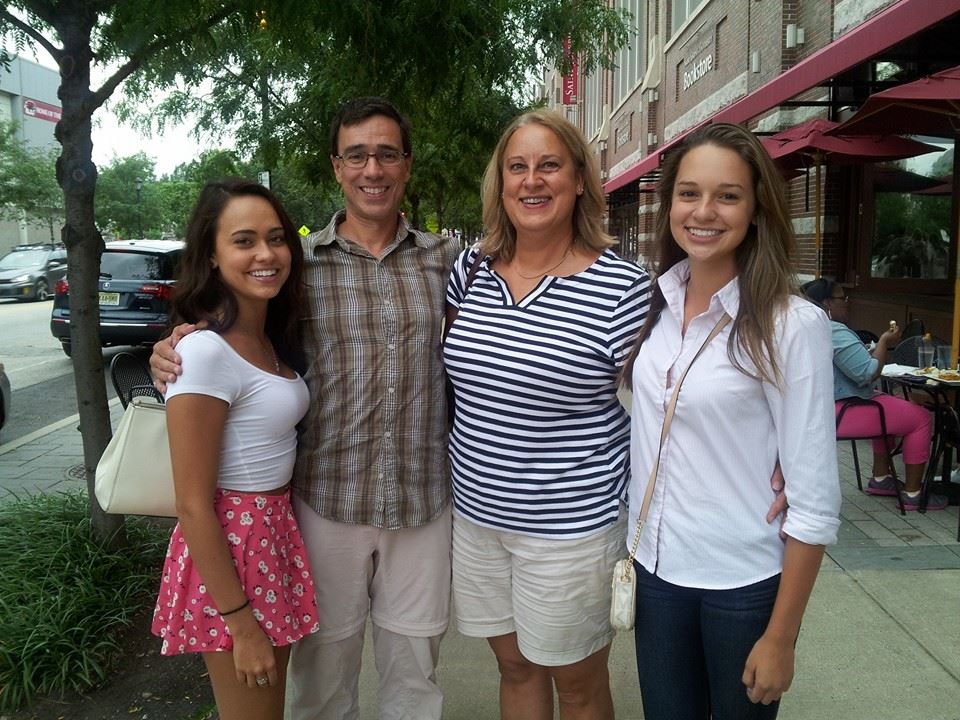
column 404, row 230
column 673, row 284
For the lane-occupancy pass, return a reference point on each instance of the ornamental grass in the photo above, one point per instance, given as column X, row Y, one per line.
column 65, row 597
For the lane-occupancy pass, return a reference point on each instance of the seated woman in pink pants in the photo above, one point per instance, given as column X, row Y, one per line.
column 854, row 371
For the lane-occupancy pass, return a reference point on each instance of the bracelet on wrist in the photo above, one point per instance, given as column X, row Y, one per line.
column 236, row 609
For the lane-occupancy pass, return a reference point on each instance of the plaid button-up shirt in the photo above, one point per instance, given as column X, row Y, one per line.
column 373, row 446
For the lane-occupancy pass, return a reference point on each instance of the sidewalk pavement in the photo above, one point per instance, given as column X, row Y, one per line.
column 880, row 639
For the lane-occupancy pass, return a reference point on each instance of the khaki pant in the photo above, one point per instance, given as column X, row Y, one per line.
column 401, row 580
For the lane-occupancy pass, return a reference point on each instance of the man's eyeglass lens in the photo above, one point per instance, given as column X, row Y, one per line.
column 358, row 159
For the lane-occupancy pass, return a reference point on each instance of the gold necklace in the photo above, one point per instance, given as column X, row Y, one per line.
column 273, row 354
column 549, row 269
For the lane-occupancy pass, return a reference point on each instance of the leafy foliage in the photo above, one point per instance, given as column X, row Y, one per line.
column 27, row 181
column 65, row 597
column 459, row 69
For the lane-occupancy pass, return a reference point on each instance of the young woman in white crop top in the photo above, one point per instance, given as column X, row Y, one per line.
column 236, row 585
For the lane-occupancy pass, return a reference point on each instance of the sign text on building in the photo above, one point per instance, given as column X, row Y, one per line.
column 698, row 70
column 41, row 110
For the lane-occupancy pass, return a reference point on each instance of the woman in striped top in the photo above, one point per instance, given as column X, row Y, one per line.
column 539, row 446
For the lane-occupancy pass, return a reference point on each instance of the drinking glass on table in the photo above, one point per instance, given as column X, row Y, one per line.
column 943, row 357
column 925, row 355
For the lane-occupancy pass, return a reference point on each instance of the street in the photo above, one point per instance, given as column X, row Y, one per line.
column 41, row 376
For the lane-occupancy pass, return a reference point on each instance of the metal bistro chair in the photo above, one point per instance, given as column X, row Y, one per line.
column 131, row 378
column 863, row 402
column 906, row 352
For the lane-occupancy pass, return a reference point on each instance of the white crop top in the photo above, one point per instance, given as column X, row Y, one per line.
column 260, row 437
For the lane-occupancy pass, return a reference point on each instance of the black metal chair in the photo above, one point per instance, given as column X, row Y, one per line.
column 867, row 336
column 851, row 402
column 131, row 378
column 914, row 328
column 906, row 352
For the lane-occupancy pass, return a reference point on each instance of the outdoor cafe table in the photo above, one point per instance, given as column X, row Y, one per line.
column 940, row 396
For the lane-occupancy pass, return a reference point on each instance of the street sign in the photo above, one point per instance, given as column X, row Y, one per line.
column 304, row 230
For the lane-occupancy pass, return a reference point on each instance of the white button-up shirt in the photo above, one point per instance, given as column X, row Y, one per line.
column 707, row 522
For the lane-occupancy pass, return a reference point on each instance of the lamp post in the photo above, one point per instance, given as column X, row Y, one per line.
column 138, row 186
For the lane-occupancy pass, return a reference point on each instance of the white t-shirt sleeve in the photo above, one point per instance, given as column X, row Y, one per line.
column 207, row 368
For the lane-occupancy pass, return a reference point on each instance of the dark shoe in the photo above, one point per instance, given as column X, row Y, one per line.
column 886, row 487
column 934, row 502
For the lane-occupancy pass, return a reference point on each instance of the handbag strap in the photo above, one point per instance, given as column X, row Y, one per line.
column 667, row 420
column 452, row 311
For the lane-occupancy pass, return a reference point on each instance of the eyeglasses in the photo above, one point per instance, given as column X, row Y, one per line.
column 387, row 157
column 840, row 298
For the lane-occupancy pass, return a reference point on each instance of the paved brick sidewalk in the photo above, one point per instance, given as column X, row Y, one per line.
column 881, row 640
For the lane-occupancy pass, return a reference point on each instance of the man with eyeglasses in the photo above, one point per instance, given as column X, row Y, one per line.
column 372, row 492
column 371, row 485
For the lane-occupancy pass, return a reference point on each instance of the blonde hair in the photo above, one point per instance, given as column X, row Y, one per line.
column 500, row 239
column 764, row 258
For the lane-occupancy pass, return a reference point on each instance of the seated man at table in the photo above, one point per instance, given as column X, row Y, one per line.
column 855, row 370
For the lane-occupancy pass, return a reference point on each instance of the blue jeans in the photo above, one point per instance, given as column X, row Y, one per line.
column 692, row 646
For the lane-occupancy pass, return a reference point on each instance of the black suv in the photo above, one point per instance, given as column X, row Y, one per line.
column 30, row 272
column 136, row 280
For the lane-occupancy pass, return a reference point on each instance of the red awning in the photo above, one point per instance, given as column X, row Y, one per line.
column 887, row 28
column 928, row 106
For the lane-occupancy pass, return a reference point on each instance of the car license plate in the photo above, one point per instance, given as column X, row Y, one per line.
column 107, row 298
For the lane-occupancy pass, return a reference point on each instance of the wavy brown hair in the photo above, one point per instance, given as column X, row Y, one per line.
column 200, row 295
column 764, row 258
column 500, row 240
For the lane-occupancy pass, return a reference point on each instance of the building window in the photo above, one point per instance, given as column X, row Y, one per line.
column 682, row 9
column 592, row 103
column 631, row 59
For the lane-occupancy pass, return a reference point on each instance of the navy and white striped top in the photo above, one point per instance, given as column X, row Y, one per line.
column 540, row 442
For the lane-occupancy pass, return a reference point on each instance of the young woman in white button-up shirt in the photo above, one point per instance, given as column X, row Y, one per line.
column 720, row 593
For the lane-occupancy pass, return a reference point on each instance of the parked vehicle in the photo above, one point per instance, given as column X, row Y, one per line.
column 4, row 398
column 30, row 272
column 136, row 280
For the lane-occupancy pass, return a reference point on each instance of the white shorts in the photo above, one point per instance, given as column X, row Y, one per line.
column 554, row 593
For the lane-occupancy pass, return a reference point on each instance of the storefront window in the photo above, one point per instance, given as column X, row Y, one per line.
column 911, row 229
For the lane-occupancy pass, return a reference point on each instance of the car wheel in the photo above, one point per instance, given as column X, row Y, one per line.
column 42, row 291
column 65, row 344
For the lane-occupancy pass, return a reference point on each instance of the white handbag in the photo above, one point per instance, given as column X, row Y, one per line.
column 134, row 475
column 623, row 600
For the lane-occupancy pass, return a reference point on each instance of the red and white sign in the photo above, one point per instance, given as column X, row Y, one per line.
column 571, row 81
column 41, row 110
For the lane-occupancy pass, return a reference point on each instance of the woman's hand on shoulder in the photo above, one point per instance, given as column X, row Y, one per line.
column 768, row 672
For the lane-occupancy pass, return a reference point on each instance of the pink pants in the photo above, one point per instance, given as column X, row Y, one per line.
column 904, row 419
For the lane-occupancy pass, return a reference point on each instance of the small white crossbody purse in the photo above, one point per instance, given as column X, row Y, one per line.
column 623, row 602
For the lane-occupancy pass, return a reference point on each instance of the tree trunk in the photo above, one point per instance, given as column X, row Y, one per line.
column 77, row 176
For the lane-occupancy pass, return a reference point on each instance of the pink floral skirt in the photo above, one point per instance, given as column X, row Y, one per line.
column 271, row 562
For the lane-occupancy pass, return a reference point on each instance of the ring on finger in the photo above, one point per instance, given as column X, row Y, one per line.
column 262, row 680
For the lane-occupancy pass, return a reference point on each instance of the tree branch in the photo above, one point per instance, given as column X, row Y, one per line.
column 55, row 52
column 138, row 58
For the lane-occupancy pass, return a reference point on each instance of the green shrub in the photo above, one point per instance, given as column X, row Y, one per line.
column 66, row 598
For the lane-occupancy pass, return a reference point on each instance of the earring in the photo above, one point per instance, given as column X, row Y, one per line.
column 579, row 191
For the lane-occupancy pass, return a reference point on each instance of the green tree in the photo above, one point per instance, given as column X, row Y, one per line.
column 28, row 182
column 126, row 35
column 120, row 207
column 278, row 87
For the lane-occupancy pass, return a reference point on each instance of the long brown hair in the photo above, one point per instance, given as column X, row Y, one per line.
column 764, row 258
column 200, row 294
column 500, row 240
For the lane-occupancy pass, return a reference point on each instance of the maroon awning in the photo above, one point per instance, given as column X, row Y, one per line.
column 887, row 28
column 928, row 106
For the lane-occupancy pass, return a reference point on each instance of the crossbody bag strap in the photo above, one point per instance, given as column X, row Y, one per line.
column 452, row 311
column 667, row 420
